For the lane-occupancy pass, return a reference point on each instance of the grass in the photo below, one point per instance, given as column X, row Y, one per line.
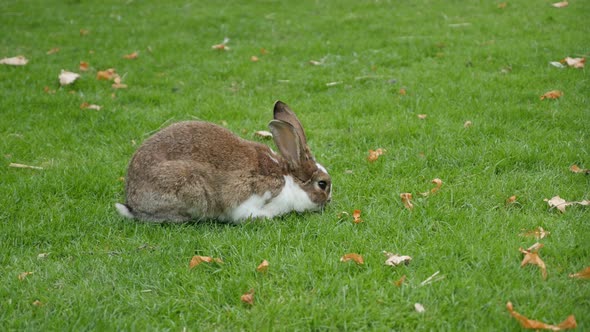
column 458, row 61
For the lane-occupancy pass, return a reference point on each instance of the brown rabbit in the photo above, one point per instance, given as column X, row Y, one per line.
column 196, row 170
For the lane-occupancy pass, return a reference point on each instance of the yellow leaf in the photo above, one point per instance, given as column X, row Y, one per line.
column 356, row 215
column 131, row 56
column 374, row 154
column 400, row 281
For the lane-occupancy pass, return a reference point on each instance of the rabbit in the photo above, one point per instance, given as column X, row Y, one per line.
column 196, row 170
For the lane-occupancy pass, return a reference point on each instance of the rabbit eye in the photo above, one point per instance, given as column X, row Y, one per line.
column 323, row 185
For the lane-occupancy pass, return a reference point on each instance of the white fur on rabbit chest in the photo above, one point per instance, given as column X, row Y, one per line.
column 291, row 198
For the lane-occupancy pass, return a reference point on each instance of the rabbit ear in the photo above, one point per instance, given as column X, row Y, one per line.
column 283, row 112
column 288, row 142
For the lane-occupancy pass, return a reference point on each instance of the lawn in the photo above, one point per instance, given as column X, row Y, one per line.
column 358, row 74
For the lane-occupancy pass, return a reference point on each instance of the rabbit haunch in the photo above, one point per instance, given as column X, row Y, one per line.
column 198, row 170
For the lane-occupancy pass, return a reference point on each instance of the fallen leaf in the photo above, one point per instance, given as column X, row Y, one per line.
column 37, row 303
column 553, row 94
column 575, row 62
column 263, row 267
column 84, row 32
column 438, row 183
column 352, row 257
column 263, row 134
column 422, row 116
column 402, row 92
column 106, row 75
column 248, row 298
column 502, row 5
column 531, row 256
column 329, row 84
column 467, row 124
column 53, row 51
column 67, row 77
column 48, row 90
column 15, row 165
column 131, row 56
column 560, row 4
column 43, row 255
column 254, row 58
column 223, row 46
column 14, row 61
column 264, row 51
column 538, row 233
column 86, row 105
column 374, row 154
column 419, row 308
column 396, row 259
column 510, row 200
column 24, row 275
column 196, row 260
column 84, row 66
column 577, row 169
column 584, row 274
column 315, row 63
column 407, row 200
column 117, row 84
column 400, row 281
column 560, row 203
column 356, row 215
column 568, row 323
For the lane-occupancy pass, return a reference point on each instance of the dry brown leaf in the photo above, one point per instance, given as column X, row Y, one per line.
column 396, row 259
column 86, row 105
column 254, row 58
column 422, row 116
column 577, row 169
column 407, row 200
column 502, row 5
column 248, row 298
column 402, row 92
column 538, row 233
column 67, row 77
column 575, row 62
column 356, row 215
column 131, row 56
column 263, row 267
column 531, row 256
column 584, row 274
column 510, row 200
column 264, row 51
column 106, row 75
column 84, row 32
column 438, row 183
column 196, row 260
column 37, row 303
column 84, row 66
column 14, row 61
column 223, row 46
column 53, row 51
column 568, row 323
column 374, row 154
column 263, row 134
column 560, row 4
column 117, row 84
column 400, row 281
column 467, row 124
column 560, row 203
column 22, row 276
column 48, row 90
column 553, row 94
column 353, row 257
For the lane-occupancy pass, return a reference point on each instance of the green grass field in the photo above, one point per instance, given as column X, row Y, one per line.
column 457, row 61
